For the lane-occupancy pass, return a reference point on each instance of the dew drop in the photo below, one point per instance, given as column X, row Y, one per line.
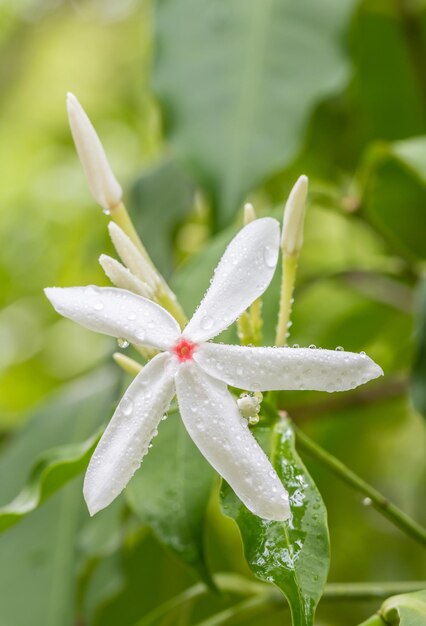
column 253, row 420
column 340, row 348
column 296, row 345
column 98, row 306
column 122, row 343
column 269, row 256
column 312, row 346
column 126, row 406
column 367, row 501
column 362, row 354
column 106, row 211
column 206, row 322
column 140, row 335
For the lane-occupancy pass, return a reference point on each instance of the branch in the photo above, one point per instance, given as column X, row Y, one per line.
column 400, row 519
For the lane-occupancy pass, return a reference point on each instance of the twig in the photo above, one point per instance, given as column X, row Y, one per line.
column 400, row 519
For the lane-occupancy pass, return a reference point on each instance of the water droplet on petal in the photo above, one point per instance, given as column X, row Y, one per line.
column 340, row 348
column 98, row 306
column 106, row 211
column 296, row 345
column 362, row 354
column 126, row 406
column 312, row 346
column 122, row 343
column 206, row 322
column 270, row 256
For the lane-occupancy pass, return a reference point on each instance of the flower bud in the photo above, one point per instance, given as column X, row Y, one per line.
column 132, row 258
column 123, row 278
column 102, row 182
column 249, row 213
column 294, row 215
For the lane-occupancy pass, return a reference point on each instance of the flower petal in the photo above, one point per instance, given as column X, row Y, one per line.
column 126, row 439
column 118, row 313
column 212, row 420
column 242, row 275
column 263, row 369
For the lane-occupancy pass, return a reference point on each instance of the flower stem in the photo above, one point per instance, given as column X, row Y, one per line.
column 288, row 278
column 400, row 519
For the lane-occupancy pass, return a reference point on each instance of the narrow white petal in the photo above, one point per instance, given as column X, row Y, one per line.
column 131, row 256
column 242, row 275
column 118, row 313
column 214, row 423
column 123, row 278
column 102, row 182
column 127, row 437
column 263, row 369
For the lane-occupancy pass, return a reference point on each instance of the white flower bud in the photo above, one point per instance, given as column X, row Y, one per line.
column 294, row 215
column 132, row 258
column 123, row 278
column 102, row 182
column 249, row 406
column 249, row 213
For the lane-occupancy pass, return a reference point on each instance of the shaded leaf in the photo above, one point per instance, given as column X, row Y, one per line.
column 408, row 609
column 38, row 585
column 51, row 472
column 238, row 80
column 161, row 199
column 418, row 374
column 394, row 197
column 171, row 490
column 293, row 555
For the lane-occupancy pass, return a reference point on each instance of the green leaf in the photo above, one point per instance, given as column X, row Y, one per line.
column 160, row 200
column 51, row 472
column 171, row 490
column 238, row 81
column 408, row 609
column 38, row 585
column 293, row 555
column 394, row 196
column 418, row 374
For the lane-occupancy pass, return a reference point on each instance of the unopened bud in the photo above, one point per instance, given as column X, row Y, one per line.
column 294, row 215
column 249, row 406
column 249, row 213
column 102, row 182
column 132, row 257
column 123, row 278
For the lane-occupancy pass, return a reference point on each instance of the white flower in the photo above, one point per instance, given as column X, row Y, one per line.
column 199, row 371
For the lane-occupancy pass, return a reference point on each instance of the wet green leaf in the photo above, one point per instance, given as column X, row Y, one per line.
column 171, row 490
column 238, row 81
column 293, row 555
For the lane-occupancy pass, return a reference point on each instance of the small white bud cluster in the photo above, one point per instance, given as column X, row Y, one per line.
column 249, row 406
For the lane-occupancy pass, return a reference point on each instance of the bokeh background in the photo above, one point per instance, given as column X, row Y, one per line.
column 202, row 105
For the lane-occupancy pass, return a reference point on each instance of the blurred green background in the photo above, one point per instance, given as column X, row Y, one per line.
column 202, row 104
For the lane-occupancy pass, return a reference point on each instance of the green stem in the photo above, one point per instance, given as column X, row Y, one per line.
column 374, row 620
column 288, row 278
column 400, row 519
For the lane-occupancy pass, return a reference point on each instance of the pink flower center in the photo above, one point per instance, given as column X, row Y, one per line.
column 184, row 350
